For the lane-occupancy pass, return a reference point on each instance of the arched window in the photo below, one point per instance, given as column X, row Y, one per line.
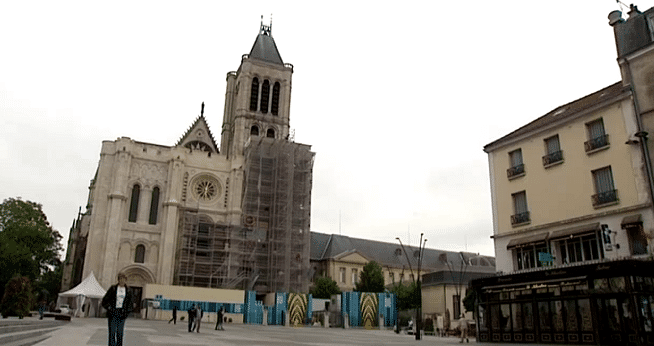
column 265, row 95
column 254, row 130
column 154, row 206
column 139, row 256
column 274, row 108
column 270, row 133
column 134, row 204
column 254, row 94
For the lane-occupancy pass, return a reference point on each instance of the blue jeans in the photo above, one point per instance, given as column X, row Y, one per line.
column 116, row 327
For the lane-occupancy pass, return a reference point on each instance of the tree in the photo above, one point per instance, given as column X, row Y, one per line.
column 18, row 298
column 29, row 246
column 324, row 288
column 371, row 279
column 406, row 295
column 469, row 300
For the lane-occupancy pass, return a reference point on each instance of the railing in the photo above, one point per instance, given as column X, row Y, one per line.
column 517, row 170
column 554, row 157
column 596, row 143
column 520, row 218
column 604, row 197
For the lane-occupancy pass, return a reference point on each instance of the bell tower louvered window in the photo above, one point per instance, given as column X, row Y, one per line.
column 154, row 206
column 274, row 109
column 265, row 95
column 254, row 94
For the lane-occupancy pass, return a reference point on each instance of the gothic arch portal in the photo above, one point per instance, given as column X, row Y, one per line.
column 138, row 275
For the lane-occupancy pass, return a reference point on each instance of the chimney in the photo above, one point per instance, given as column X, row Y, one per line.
column 633, row 10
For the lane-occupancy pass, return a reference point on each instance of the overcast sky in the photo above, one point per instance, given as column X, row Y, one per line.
column 397, row 100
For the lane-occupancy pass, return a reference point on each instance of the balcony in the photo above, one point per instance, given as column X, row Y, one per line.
column 516, row 171
column 606, row 198
column 519, row 219
column 596, row 143
column 552, row 158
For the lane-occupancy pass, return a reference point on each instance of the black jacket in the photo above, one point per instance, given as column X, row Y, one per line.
column 109, row 302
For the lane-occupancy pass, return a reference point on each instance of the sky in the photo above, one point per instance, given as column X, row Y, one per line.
column 397, row 99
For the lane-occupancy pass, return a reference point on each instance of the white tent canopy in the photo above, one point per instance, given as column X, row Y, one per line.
column 88, row 288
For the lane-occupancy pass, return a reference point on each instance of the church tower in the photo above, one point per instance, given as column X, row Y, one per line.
column 257, row 97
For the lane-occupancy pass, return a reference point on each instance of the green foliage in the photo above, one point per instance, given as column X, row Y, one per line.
column 29, row 246
column 17, row 299
column 324, row 288
column 371, row 278
column 469, row 300
column 408, row 296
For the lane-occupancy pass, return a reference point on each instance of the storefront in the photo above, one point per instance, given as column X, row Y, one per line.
column 604, row 303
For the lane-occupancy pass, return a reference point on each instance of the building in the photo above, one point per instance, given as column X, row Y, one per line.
column 445, row 274
column 573, row 217
column 232, row 216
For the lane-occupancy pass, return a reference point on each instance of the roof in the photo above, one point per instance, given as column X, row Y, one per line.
column 330, row 246
column 89, row 288
column 564, row 112
column 199, row 123
column 264, row 47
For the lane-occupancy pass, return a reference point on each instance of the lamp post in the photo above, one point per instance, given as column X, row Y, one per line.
column 407, row 257
column 421, row 250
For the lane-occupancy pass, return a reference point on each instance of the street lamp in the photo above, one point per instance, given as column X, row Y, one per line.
column 421, row 250
column 407, row 258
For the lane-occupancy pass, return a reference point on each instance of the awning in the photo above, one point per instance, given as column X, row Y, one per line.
column 532, row 239
column 579, row 230
column 631, row 220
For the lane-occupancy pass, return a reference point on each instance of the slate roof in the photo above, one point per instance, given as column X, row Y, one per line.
column 326, row 246
column 265, row 49
column 564, row 112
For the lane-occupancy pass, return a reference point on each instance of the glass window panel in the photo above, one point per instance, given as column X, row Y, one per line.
column 612, row 314
column 571, row 316
column 483, row 321
column 645, row 315
column 517, row 316
column 544, row 316
column 617, row 283
column 515, row 157
column 495, row 317
column 601, row 284
column 585, row 315
column 506, row 317
column 557, row 315
column 528, row 313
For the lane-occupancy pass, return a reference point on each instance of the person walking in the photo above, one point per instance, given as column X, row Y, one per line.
column 463, row 326
column 198, row 317
column 118, row 303
column 174, row 319
column 191, row 318
column 219, row 320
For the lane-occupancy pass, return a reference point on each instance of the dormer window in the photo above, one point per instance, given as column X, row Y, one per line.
column 254, row 130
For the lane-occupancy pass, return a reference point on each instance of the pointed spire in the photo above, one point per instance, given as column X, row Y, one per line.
column 264, row 47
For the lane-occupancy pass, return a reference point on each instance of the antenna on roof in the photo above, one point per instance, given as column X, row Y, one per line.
column 621, row 4
column 265, row 29
column 270, row 26
column 202, row 111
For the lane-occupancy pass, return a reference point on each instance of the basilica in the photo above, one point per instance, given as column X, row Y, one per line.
column 232, row 215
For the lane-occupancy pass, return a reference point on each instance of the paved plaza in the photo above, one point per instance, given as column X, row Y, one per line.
column 93, row 331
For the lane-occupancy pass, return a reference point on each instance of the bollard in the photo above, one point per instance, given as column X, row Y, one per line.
column 326, row 320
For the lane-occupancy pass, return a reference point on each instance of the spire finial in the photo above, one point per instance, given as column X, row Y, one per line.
column 202, row 111
column 265, row 29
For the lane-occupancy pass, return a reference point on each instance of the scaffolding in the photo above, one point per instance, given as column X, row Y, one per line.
column 269, row 251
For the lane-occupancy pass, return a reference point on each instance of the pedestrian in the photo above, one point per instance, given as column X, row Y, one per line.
column 191, row 318
column 118, row 303
column 219, row 320
column 198, row 317
column 463, row 326
column 174, row 319
column 41, row 309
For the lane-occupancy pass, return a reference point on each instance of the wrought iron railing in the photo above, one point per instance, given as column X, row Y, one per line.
column 554, row 157
column 596, row 143
column 516, row 170
column 520, row 218
column 604, row 197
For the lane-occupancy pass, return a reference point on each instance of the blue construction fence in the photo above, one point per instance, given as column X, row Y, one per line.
column 184, row 305
column 363, row 309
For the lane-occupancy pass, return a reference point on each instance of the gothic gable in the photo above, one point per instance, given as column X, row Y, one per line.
column 198, row 137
